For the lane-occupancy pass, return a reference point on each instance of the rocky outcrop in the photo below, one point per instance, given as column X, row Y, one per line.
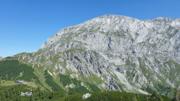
column 124, row 53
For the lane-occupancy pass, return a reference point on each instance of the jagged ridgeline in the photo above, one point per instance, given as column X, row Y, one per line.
column 107, row 53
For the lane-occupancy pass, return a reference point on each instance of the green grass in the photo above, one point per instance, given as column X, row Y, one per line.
column 14, row 70
column 12, row 93
column 66, row 80
column 50, row 81
column 117, row 96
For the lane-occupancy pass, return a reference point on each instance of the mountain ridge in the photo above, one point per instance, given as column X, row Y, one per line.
column 114, row 53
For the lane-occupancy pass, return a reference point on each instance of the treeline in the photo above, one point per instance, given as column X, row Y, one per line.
column 118, row 96
column 13, row 93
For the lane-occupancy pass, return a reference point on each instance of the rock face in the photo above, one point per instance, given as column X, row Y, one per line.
column 116, row 53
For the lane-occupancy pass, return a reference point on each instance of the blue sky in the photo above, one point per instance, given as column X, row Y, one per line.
column 26, row 24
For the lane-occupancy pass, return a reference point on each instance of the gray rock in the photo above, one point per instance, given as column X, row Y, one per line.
column 126, row 53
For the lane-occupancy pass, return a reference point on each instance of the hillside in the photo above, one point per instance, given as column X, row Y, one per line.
column 107, row 53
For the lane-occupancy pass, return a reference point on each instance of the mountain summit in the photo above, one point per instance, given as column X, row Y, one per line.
column 114, row 53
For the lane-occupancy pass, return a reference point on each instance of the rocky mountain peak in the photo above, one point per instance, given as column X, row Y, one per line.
column 123, row 53
column 103, row 23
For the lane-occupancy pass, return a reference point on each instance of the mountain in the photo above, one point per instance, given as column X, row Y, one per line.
column 110, row 52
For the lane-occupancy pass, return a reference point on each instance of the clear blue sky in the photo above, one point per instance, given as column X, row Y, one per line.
column 26, row 24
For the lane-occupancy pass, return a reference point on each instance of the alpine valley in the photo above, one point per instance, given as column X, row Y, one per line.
column 108, row 58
